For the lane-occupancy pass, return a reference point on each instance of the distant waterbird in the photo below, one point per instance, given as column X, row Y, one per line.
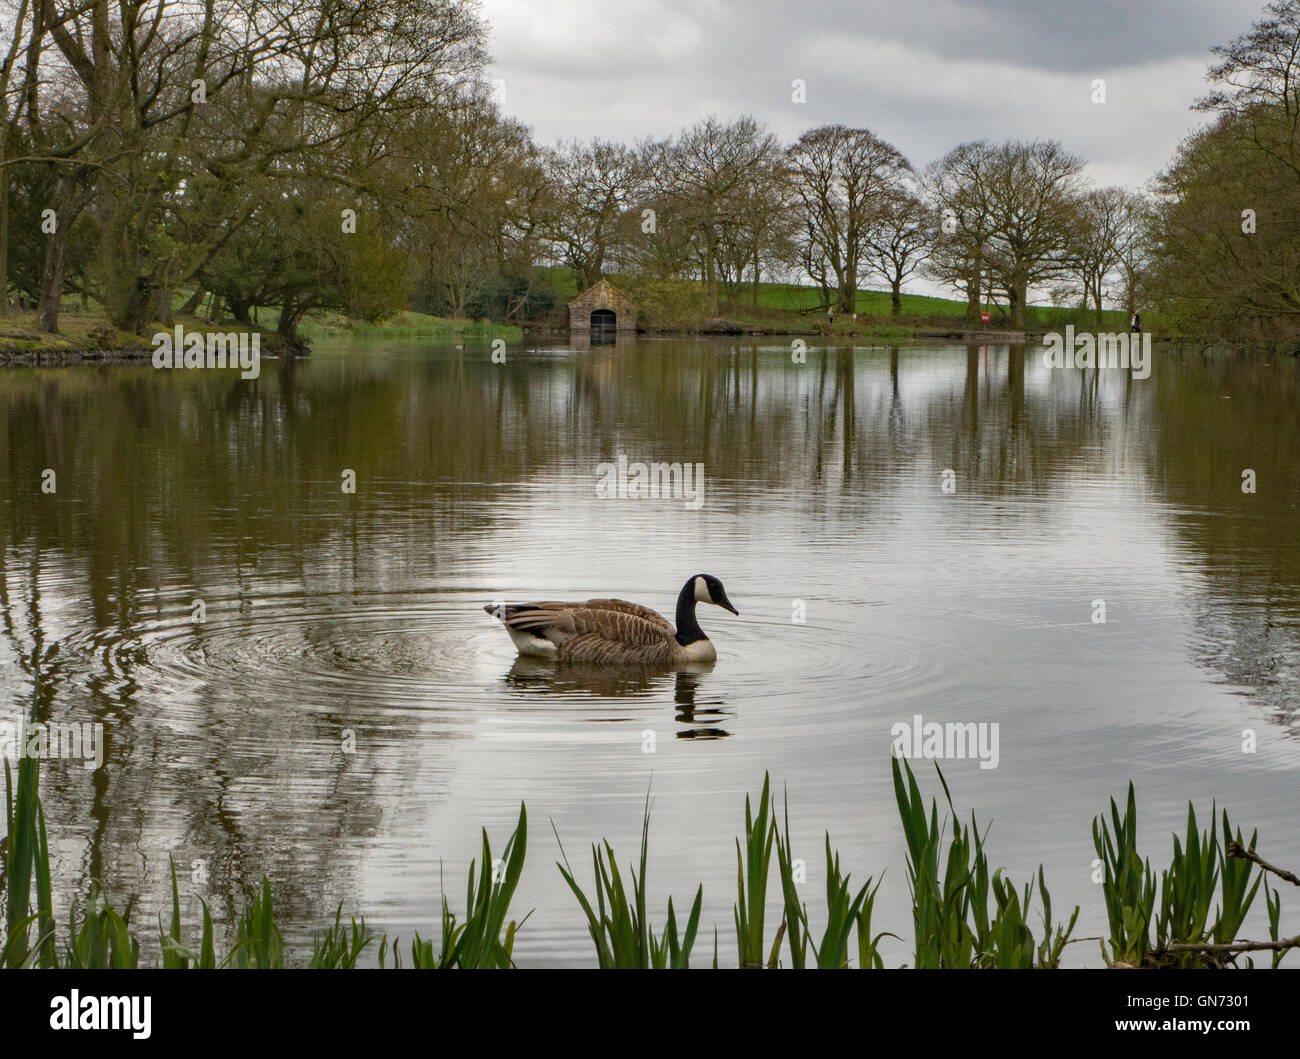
column 614, row 632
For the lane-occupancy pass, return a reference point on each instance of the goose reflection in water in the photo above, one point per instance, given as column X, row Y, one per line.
column 703, row 716
column 570, row 679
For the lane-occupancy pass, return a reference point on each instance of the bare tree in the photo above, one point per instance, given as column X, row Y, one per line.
column 959, row 186
column 1032, row 190
column 1258, row 75
column 1134, row 246
column 760, row 236
column 899, row 241
column 843, row 178
column 596, row 184
column 1094, row 249
column 703, row 177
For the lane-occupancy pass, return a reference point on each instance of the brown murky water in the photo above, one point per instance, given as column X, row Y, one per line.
column 326, row 612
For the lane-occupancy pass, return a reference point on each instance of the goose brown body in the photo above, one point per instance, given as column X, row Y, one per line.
column 614, row 632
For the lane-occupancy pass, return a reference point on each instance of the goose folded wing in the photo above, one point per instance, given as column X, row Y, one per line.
column 617, row 626
column 622, row 606
column 539, row 615
column 597, row 649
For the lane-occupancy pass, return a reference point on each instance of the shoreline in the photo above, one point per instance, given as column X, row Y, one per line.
column 21, row 352
column 93, row 340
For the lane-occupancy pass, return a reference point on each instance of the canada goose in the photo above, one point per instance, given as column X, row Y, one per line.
column 614, row 632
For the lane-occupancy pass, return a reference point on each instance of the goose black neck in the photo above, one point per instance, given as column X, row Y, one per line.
column 688, row 629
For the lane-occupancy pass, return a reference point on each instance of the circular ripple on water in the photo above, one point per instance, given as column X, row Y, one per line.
column 858, row 670
column 385, row 649
column 414, row 650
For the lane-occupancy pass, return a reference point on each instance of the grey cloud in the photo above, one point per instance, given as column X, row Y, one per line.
column 925, row 74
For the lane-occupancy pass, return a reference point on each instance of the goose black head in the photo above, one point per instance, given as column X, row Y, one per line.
column 708, row 589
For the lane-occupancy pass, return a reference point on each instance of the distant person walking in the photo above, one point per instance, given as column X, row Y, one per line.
column 1135, row 325
column 830, row 317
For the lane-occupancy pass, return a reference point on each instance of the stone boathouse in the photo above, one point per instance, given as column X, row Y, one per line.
column 602, row 313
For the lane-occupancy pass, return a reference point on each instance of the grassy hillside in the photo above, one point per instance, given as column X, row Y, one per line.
column 789, row 308
column 405, row 325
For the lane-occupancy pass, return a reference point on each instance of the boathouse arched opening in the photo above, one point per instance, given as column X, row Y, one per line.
column 604, row 325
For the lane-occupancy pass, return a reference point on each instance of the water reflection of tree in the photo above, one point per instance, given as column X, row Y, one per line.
column 174, row 781
column 1213, row 418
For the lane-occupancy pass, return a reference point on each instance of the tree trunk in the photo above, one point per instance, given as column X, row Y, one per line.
column 163, row 307
column 973, row 297
column 710, row 269
column 1016, row 296
column 5, row 306
column 193, row 302
column 126, row 291
column 896, row 298
column 285, row 324
column 849, row 291
column 52, row 284
column 290, row 317
column 125, row 209
column 52, row 275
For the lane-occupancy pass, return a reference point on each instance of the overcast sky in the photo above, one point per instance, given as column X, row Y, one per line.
column 924, row 74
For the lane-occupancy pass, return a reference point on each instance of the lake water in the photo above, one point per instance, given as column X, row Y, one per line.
column 326, row 612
